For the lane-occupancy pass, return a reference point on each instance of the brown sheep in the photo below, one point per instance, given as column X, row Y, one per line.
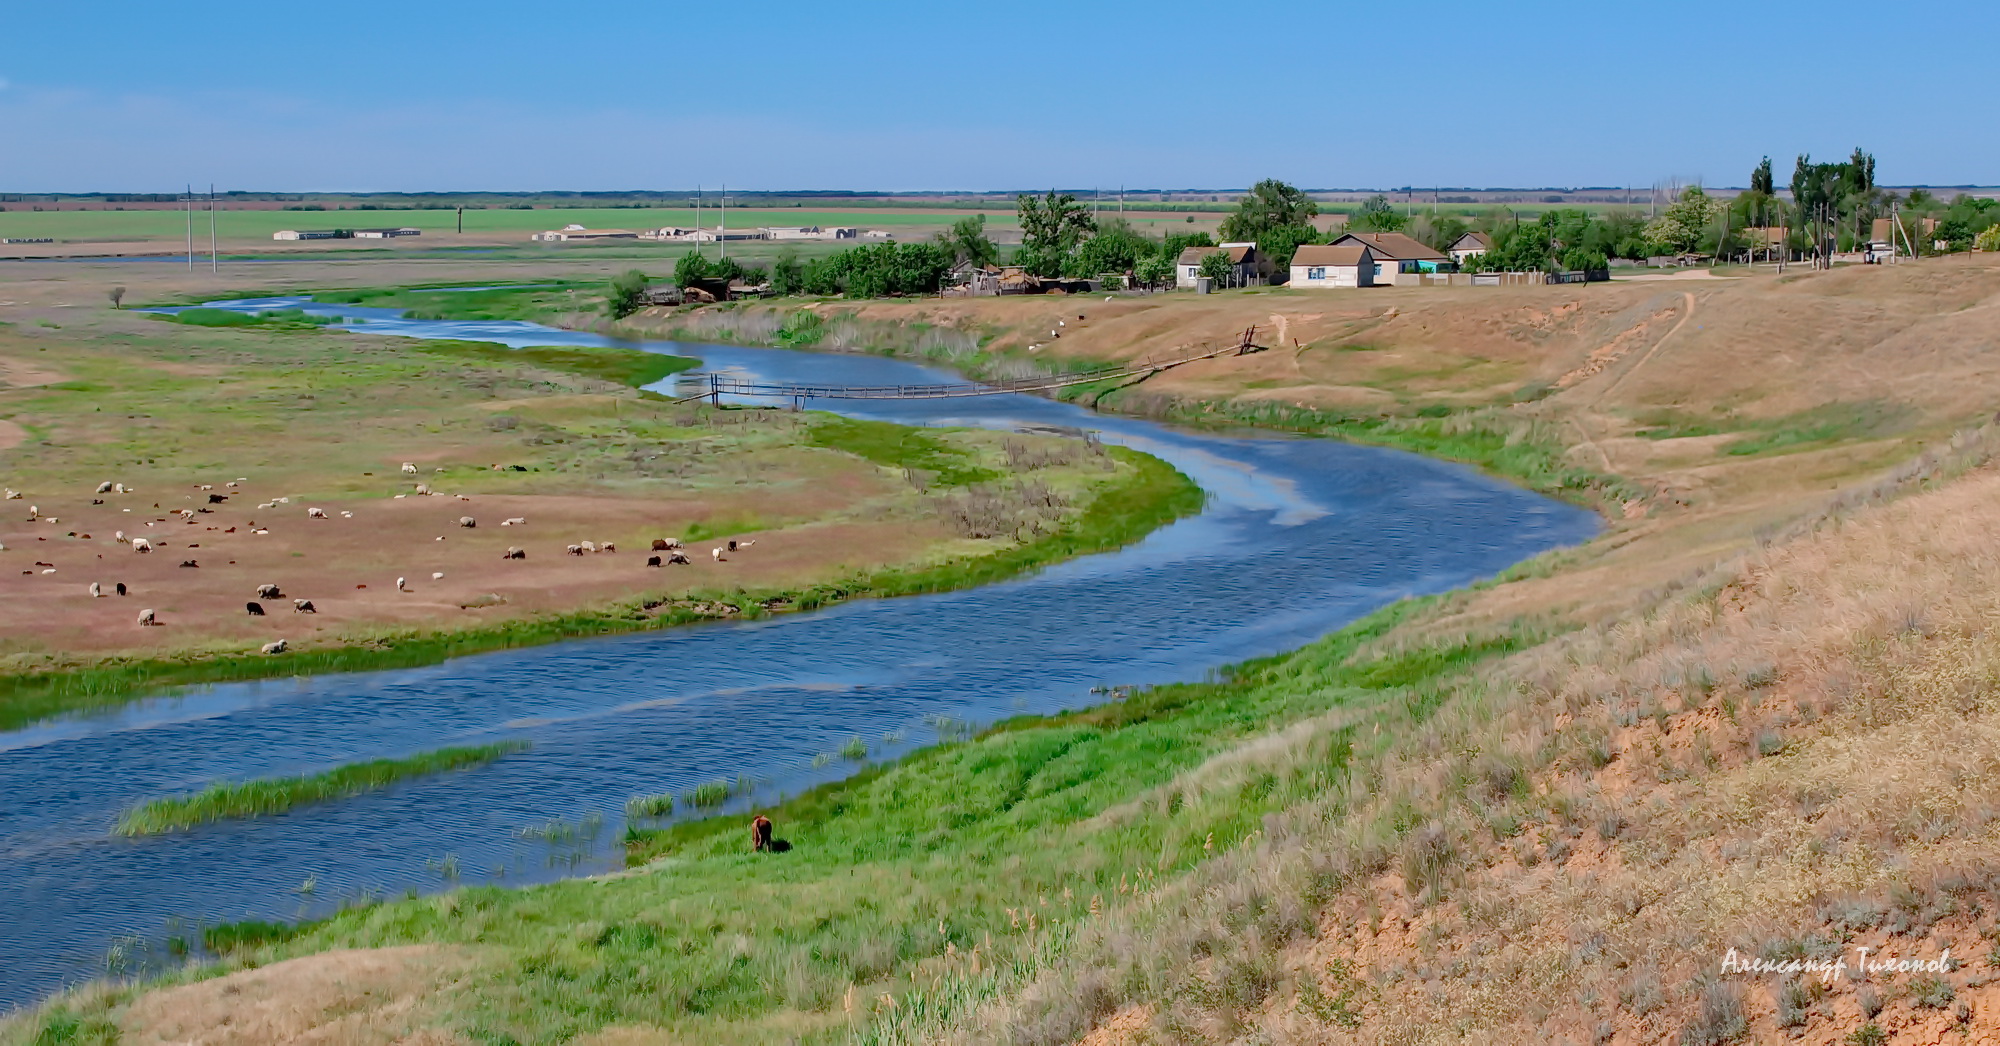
column 760, row 834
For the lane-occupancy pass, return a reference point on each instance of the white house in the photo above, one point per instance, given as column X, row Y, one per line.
column 386, row 234
column 1470, row 245
column 1322, row 266
column 1242, row 264
column 578, row 232
column 1396, row 255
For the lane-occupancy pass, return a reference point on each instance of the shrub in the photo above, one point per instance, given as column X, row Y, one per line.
column 1719, row 1020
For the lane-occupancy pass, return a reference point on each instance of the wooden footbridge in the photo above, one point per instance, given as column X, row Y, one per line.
column 720, row 386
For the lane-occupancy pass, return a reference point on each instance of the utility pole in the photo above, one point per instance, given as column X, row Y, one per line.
column 461, row 219
column 188, row 202
column 722, row 231
column 697, row 221
column 214, row 265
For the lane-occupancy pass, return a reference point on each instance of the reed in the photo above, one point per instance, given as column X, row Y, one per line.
column 263, row 797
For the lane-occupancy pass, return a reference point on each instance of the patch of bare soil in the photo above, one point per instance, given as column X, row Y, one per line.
column 374, row 997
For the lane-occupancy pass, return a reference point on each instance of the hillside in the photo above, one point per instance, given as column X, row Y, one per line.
column 1758, row 713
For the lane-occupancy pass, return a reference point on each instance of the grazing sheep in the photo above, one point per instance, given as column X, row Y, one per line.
column 269, row 592
column 206, row 486
column 254, row 609
column 715, row 553
column 304, row 606
column 514, row 553
column 121, row 588
column 760, row 834
column 141, row 545
column 677, row 556
column 424, row 489
column 410, row 467
column 574, row 550
column 587, row 547
column 743, row 544
column 217, row 499
column 315, row 513
column 104, row 487
column 437, row 575
column 344, row 514
column 190, row 563
column 662, row 544
column 96, row 590
column 12, row 494
column 607, row 547
column 400, row 586
column 467, row 522
column 732, row 545
column 652, row 561
column 275, row 646
column 517, row 521
column 146, row 618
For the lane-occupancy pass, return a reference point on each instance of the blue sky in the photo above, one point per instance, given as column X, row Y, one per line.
column 445, row 94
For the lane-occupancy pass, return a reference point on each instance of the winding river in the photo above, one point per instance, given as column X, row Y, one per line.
column 1299, row 537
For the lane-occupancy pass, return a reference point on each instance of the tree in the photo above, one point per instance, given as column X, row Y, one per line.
column 117, row 296
column 1278, row 244
column 1437, row 233
column 1760, row 179
column 1117, row 247
column 1154, row 269
column 788, row 274
column 1272, row 204
column 1988, row 240
column 1376, row 215
column 1051, row 227
column 628, row 294
column 1680, row 227
column 967, row 241
column 1216, row 266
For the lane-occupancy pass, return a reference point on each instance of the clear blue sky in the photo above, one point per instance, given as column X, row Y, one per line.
column 500, row 94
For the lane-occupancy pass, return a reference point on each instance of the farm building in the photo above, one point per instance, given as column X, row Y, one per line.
column 578, row 232
column 1321, row 266
column 1470, row 245
column 311, row 234
column 386, row 234
column 1395, row 255
column 1242, row 264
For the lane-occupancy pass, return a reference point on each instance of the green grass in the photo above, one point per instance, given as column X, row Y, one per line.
column 1827, row 423
column 264, row 797
column 1003, row 843
column 274, row 319
column 1151, row 494
column 900, row 446
column 634, row 367
column 650, row 805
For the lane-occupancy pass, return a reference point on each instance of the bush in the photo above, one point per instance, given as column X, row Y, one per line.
column 1720, row 1019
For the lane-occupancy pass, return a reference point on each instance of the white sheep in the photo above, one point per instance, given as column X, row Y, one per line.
column 119, row 536
column 401, row 586
column 204, row 486
column 424, row 489
column 574, row 550
column 275, row 646
column 104, row 487
column 516, row 521
column 146, row 618
column 410, row 467
column 96, row 590
column 120, row 488
column 715, row 553
column 315, row 513
column 588, row 546
column 344, row 514
column 437, row 575
column 607, row 547
column 467, row 522
column 269, row 592
column 141, row 545
column 12, row 494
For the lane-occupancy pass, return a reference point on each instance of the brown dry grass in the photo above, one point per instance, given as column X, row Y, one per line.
column 379, row 997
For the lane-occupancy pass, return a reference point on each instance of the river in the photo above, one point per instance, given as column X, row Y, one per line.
column 1299, row 537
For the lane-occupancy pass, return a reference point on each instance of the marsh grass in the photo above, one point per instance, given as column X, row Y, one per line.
column 264, row 797
column 633, row 367
column 272, row 319
column 900, row 446
column 659, row 805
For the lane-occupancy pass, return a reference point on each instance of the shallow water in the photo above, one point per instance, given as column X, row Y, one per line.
column 1299, row 537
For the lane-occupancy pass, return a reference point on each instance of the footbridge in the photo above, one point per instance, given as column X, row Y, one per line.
column 719, row 385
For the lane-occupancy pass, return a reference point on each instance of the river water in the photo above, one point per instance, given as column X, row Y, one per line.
column 1299, row 537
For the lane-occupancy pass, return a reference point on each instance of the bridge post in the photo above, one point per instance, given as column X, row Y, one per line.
column 715, row 390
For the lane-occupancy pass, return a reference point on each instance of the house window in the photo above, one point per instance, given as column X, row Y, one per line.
column 1378, row 268
column 1316, row 272
column 1193, row 271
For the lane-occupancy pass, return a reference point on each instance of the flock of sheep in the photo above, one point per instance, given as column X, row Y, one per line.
column 669, row 551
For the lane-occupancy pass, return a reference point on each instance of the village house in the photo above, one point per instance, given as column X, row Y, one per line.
column 578, row 232
column 386, row 234
column 1470, row 245
column 311, row 234
column 1398, row 258
column 1242, row 264
column 1322, row 266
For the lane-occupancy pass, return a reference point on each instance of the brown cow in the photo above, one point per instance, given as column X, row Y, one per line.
column 760, row 834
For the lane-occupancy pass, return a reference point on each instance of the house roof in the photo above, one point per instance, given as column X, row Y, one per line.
column 1391, row 245
column 1325, row 254
column 1473, row 241
column 1238, row 255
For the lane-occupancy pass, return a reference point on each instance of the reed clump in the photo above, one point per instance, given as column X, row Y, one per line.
column 264, row 797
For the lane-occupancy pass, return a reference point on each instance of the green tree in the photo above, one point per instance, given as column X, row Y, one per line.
column 628, row 293
column 1271, row 204
column 967, row 241
column 788, row 274
column 1438, row 233
column 1681, row 226
column 1376, row 214
column 1760, row 179
column 117, row 296
column 1154, row 269
column 1216, row 266
column 1051, row 227
column 1279, row 243
column 1988, row 240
